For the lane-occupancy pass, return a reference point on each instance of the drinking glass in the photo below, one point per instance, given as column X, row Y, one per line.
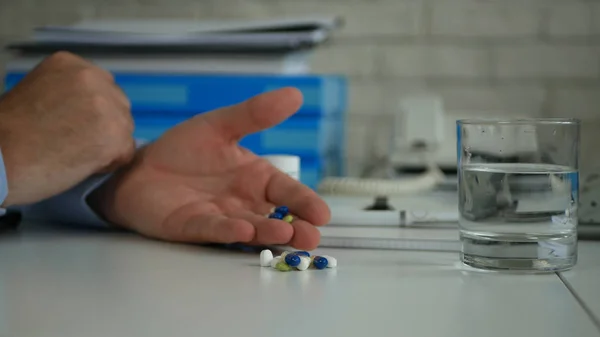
column 518, row 186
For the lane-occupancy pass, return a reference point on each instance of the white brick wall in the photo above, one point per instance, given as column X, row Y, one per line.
column 484, row 19
column 367, row 18
column 367, row 97
column 394, row 90
column 369, row 138
column 492, row 57
column 240, row 9
column 187, row 11
column 595, row 19
column 435, row 61
column 579, row 102
column 570, row 19
column 547, row 61
column 9, row 11
column 351, row 60
column 514, row 100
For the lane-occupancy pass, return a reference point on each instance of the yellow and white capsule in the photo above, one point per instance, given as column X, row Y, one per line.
column 282, row 266
column 304, row 263
column 275, row 261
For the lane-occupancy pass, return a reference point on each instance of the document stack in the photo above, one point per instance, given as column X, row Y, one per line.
column 173, row 70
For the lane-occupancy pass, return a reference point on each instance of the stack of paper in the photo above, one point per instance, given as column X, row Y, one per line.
column 272, row 35
column 275, row 46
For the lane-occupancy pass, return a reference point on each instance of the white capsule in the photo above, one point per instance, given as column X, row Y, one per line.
column 304, row 263
column 275, row 261
column 331, row 261
column 265, row 258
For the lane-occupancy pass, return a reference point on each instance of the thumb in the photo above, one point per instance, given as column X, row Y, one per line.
column 255, row 114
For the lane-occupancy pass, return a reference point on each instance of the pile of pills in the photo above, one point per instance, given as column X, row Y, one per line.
column 299, row 260
column 281, row 213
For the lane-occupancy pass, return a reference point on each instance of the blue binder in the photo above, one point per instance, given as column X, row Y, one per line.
column 186, row 95
column 302, row 136
column 315, row 132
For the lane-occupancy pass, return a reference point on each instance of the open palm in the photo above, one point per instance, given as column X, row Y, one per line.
column 196, row 184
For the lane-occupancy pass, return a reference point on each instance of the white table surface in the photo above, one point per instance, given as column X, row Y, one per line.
column 94, row 284
column 585, row 279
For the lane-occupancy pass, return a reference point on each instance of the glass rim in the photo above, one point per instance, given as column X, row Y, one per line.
column 518, row 121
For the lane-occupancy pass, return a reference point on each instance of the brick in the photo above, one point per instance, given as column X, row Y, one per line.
column 15, row 19
column 158, row 3
column 50, row 14
column 127, row 11
column 436, row 61
column 595, row 19
column 357, row 130
column 367, row 136
column 466, row 18
column 352, row 60
column 67, row 3
column 581, row 102
column 547, row 62
column 589, row 138
column 394, row 90
column 58, row 12
column 574, row 19
column 241, row 9
column 491, row 100
column 366, row 97
column 19, row 19
column 388, row 17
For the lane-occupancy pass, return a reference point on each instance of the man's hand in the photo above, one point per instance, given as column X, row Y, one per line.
column 65, row 121
column 195, row 184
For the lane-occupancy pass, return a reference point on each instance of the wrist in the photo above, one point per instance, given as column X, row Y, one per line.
column 97, row 200
column 102, row 201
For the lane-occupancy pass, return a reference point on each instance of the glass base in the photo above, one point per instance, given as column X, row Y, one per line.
column 548, row 253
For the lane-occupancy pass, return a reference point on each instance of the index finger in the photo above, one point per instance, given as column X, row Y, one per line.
column 300, row 199
column 255, row 114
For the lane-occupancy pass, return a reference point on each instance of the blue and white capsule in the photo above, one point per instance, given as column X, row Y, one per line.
column 292, row 260
column 320, row 262
column 276, row 216
column 282, row 210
